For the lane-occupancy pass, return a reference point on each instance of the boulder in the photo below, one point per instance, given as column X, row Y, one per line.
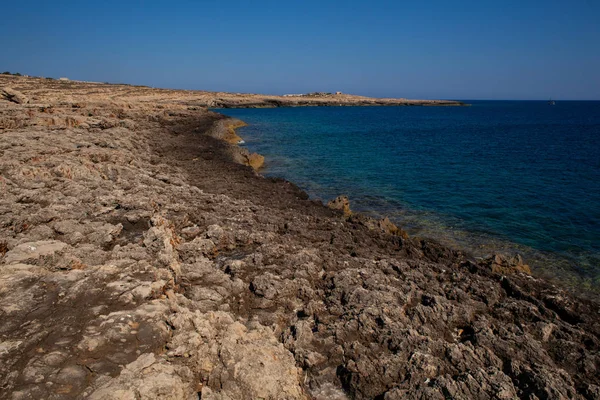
column 13, row 96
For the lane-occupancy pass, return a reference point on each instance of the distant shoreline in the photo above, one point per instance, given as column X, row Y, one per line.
column 223, row 100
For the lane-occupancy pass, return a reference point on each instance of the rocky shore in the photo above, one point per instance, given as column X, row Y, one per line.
column 143, row 257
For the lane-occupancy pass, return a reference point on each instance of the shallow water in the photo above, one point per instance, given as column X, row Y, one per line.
column 497, row 176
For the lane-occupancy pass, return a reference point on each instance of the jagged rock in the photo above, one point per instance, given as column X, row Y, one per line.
column 265, row 285
column 340, row 203
column 196, row 249
column 256, row 365
column 190, row 232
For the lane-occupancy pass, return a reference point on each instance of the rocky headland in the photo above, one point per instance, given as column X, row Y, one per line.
column 143, row 257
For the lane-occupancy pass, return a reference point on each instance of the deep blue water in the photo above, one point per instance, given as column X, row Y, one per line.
column 509, row 176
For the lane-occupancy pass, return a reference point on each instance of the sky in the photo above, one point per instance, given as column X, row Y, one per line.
column 415, row 49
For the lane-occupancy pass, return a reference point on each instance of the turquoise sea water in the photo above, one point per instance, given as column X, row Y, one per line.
column 515, row 177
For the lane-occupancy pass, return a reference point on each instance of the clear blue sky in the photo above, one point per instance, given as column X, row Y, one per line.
column 430, row 49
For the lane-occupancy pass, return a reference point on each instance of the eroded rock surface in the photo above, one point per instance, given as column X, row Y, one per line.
column 138, row 261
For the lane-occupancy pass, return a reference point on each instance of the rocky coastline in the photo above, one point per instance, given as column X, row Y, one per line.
column 224, row 99
column 143, row 257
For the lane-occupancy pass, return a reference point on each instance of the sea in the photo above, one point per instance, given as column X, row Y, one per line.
column 510, row 177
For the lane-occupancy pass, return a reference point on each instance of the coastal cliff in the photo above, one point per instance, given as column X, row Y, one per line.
column 142, row 256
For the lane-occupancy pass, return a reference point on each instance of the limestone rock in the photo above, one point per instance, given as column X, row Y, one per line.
column 190, row 232
column 12, row 95
column 145, row 378
column 33, row 250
